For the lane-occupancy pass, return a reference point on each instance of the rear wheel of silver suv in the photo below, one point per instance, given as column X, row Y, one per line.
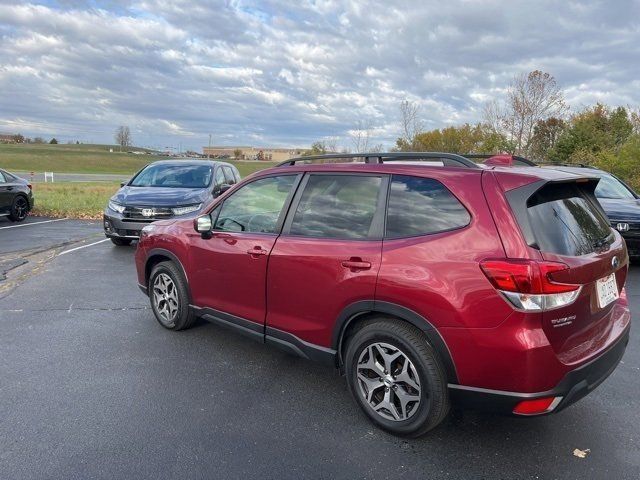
column 396, row 377
column 169, row 297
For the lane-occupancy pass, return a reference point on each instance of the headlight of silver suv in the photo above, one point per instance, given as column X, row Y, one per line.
column 187, row 209
column 116, row 207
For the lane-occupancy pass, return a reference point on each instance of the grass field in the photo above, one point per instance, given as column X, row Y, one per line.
column 86, row 199
column 73, row 200
column 86, row 159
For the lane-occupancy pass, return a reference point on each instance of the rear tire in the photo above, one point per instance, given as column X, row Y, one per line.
column 390, row 363
column 121, row 242
column 169, row 297
column 19, row 209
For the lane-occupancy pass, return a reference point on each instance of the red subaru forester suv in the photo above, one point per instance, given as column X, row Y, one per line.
column 428, row 279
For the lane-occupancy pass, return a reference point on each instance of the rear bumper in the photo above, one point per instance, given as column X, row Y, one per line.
column 576, row 384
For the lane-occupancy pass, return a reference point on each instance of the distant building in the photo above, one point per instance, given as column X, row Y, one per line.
column 252, row 153
column 7, row 138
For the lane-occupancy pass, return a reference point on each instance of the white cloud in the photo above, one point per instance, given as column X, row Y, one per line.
column 291, row 72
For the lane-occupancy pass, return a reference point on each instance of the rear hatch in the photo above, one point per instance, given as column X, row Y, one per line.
column 565, row 224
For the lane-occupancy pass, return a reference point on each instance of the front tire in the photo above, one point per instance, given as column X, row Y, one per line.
column 121, row 242
column 396, row 377
column 19, row 209
column 169, row 297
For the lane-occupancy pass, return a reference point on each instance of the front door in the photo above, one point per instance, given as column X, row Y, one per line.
column 328, row 255
column 231, row 266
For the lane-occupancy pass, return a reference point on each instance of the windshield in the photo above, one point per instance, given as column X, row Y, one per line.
column 173, row 176
column 611, row 187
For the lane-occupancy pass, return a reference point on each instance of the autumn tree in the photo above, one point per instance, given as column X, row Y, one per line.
column 545, row 136
column 237, row 153
column 467, row 138
column 530, row 98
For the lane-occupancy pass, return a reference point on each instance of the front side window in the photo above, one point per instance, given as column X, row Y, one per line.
column 173, row 176
column 2, row 180
column 337, row 206
column 256, row 207
column 229, row 176
column 421, row 206
column 219, row 177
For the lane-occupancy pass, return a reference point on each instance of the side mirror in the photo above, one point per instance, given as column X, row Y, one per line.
column 221, row 189
column 203, row 225
column 122, row 184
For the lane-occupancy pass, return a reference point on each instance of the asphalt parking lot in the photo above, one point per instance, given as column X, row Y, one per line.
column 92, row 387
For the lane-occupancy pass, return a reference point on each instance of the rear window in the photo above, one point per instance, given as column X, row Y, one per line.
column 565, row 222
column 420, row 206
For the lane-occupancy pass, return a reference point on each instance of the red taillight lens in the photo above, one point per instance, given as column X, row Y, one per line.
column 525, row 276
column 537, row 406
column 30, row 187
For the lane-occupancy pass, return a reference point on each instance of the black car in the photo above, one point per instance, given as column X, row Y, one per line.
column 162, row 190
column 16, row 197
column 619, row 201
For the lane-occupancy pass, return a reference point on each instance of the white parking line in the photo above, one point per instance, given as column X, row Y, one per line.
column 83, row 246
column 34, row 223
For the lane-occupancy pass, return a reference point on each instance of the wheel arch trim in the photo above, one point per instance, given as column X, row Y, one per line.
column 355, row 310
column 161, row 252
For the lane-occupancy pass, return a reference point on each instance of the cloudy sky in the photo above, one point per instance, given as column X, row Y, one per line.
column 280, row 73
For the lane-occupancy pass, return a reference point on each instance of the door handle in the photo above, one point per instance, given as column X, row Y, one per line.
column 356, row 263
column 257, row 250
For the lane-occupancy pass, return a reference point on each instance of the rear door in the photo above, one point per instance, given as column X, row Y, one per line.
column 569, row 227
column 328, row 255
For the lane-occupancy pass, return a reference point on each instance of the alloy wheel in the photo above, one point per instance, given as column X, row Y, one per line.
column 165, row 298
column 21, row 208
column 389, row 382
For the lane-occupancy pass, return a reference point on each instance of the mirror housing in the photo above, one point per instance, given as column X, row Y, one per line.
column 221, row 189
column 203, row 225
column 123, row 183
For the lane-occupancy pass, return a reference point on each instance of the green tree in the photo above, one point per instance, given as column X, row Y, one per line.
column 317, row 148
column 53, row 141
column 593, row 130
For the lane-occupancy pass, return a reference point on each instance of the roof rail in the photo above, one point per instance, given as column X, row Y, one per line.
column 447, row 159
column 518, row 158
column 579, row 165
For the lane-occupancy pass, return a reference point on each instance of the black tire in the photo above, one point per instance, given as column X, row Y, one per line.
column 434, row 404
column 121, row 242
column 19, row 208
column 184, row 316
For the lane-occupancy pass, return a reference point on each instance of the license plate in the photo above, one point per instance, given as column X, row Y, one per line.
column 607, row 290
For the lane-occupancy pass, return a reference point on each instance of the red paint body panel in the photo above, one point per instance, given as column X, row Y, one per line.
column 308, row 287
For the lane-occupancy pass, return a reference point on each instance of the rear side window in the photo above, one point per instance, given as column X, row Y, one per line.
column 337, row 206
column 565, row 222
column 2, row 180
column 420, row 206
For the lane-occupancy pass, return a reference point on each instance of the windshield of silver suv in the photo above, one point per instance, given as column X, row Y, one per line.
column 173, row 176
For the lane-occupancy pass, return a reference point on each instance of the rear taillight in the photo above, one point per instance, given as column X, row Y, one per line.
column 529, row 284
column 30, row 187
column 537, row 406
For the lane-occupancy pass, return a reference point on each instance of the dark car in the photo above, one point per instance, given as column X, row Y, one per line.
column 162, row 190
column 427, row 285
column 619, row 201
column 16, row 197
